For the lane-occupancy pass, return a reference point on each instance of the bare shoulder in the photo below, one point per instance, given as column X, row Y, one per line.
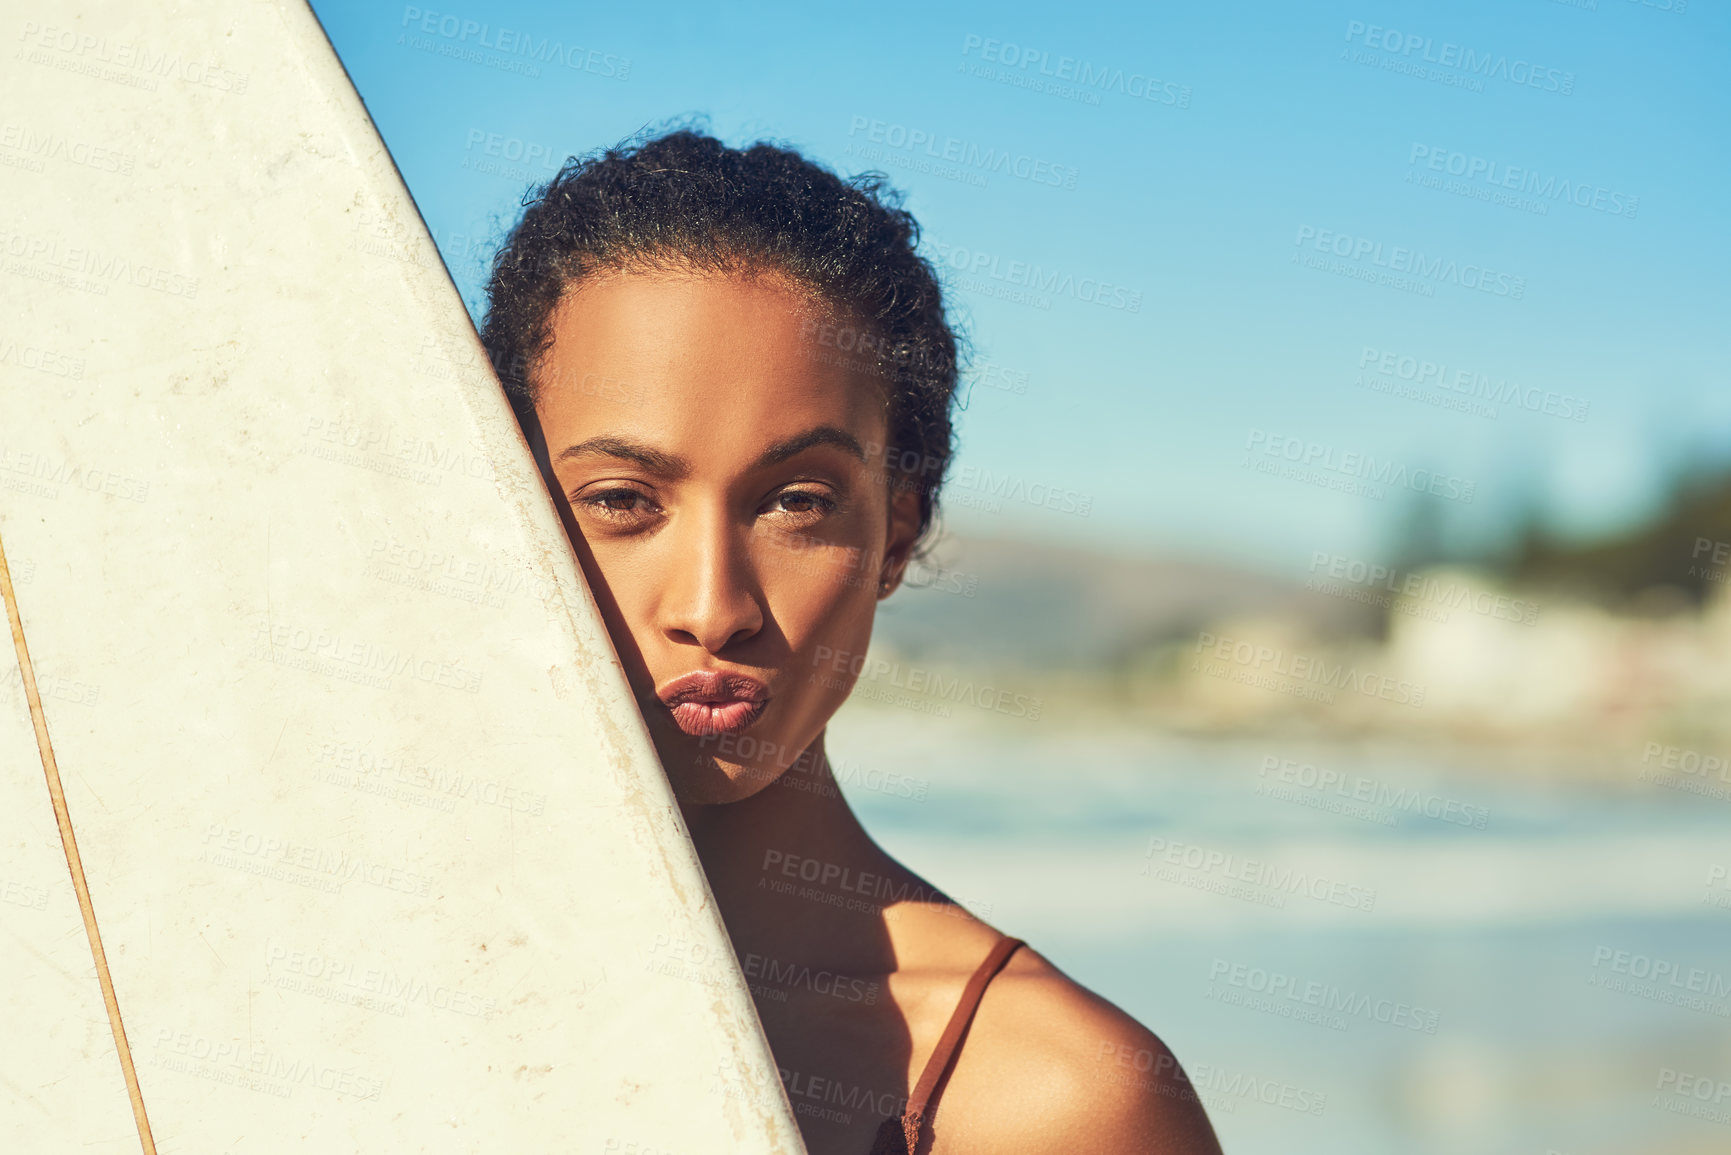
column 1049, row 1066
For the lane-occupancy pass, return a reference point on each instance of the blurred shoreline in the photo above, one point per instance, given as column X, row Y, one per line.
column 1514, row 677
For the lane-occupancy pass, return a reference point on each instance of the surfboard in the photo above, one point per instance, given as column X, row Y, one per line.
column 327, row 820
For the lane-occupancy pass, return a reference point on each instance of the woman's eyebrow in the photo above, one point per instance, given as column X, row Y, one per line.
column 669, row 466
column 800, row 442
column 655, row 461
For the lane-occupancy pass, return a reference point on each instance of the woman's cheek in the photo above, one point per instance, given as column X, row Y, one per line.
column 827, row 622
column 830, row 666
column 624, row 597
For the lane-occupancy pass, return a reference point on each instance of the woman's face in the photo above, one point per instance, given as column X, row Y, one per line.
column 729, row 486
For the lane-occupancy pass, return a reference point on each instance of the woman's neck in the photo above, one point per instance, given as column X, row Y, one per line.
column 796, row 877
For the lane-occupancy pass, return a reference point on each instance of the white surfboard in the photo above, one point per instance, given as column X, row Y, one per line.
column 370, row 834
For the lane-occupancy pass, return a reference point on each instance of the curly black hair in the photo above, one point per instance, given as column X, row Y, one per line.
column 683, row 200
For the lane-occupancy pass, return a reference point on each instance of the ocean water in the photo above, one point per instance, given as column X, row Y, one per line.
column 1351, row 949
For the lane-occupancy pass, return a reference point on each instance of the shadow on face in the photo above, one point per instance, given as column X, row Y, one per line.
column 736, row 518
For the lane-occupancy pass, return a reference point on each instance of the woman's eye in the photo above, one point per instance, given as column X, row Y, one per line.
column 803, row 502
column 618, row 503
column 800, row 504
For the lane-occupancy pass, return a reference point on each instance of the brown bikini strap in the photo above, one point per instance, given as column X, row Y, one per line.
column 945, row 1052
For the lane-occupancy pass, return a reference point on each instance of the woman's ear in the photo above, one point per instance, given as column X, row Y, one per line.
column 901, row 531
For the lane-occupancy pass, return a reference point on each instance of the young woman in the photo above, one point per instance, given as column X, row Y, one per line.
column 739, row 372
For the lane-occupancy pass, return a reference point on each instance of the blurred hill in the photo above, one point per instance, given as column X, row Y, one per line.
column 1001, row 602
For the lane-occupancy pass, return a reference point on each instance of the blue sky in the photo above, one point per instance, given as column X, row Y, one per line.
column 1319, row 222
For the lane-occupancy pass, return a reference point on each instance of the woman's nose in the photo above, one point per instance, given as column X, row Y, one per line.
column 713, row 597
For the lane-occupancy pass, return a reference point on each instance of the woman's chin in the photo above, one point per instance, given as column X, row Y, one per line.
column 719, row 783
column 703, row 775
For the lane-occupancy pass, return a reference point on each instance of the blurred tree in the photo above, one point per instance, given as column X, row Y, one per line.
column 1673, row 550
